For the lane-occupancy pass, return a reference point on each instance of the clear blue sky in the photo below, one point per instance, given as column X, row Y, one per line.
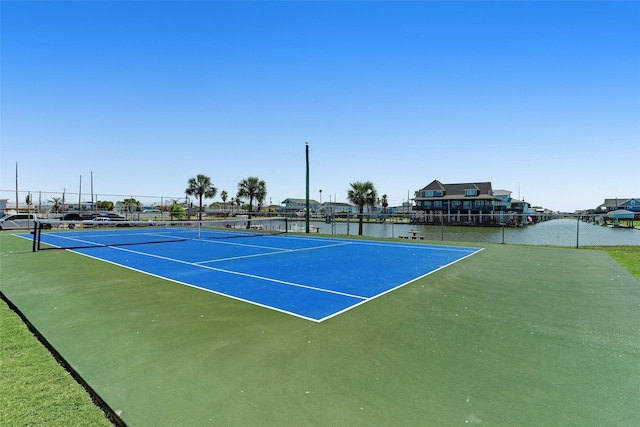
column 540, row 98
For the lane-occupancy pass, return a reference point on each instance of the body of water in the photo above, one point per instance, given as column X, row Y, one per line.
column 558, row 232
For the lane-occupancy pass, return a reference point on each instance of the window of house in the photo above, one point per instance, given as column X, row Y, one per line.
column 471, row 192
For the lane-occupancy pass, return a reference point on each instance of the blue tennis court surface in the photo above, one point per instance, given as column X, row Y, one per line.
column 312, row 278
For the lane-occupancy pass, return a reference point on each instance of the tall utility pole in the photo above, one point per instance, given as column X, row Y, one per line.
column 16, row 187
column 93, row 206
column 307, row 198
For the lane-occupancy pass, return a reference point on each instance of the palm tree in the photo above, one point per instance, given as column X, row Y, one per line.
column 252, row 188
column 361, row 194
column 56, row 203
column 202, row 187
column 384, row 202
column 131, row 205
column 224, row 196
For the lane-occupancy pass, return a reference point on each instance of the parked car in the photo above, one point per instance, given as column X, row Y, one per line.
column 97, row 222
column 77, row 216
column 18, row 221
column 113, row 216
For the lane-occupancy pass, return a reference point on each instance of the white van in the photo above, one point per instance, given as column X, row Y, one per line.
column 17, row 221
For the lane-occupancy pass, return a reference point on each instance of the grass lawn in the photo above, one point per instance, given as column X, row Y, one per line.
column 627, row 256
column 34, row 389
column 515, row 335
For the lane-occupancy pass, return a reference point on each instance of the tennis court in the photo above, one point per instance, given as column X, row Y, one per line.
column 311, row 278
column 515, row 335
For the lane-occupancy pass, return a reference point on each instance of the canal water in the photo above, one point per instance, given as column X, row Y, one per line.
column 569, row 232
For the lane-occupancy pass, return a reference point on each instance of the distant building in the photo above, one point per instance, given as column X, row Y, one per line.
column 474, row 197
column 297, row 207
column 292, row 206
column 332, row 208
column 630, row 204
column 520, row 206
column 503, row 199
column 404, row 208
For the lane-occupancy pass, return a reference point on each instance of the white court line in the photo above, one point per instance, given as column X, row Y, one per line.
column 237, row 273
column 237, row 298
column 399, row 286
column 412, row 245
column 278, row 252
column 109, row 234
column 74, row 240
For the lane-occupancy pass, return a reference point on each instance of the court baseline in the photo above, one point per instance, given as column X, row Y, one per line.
column 311, row 278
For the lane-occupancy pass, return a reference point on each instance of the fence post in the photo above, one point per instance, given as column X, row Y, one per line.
column 392, row 227
column 348, row 216
column 35, row 235
column 578, row 232
column 503, row 227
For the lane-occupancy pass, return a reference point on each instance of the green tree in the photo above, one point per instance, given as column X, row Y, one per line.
column 362, row 194
column 202, row 187
column 131, row 205
column 253, row 189
column 104, row 205
column 224, row 195
column 56, row 203
column 176, row 211
column 384, row 202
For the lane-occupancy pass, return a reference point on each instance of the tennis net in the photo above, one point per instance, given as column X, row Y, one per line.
column 98, row 232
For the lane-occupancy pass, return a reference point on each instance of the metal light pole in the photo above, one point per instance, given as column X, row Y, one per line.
column 307, row 197
column 16, row 187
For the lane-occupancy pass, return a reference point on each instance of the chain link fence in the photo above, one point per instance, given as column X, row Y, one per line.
column 51, row 205
column 551, row 230
column 495, row 227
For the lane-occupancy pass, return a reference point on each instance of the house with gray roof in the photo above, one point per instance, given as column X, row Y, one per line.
column 292, row 206
column 475, row 197
column 632, row 205
column 331, row 208
column 628, row 203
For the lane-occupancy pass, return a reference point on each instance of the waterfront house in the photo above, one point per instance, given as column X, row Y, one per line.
column 521, row 206
column 338, row 208
column 293, row 206
column 503, row 199
column 472, row 197
column 630, row 204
